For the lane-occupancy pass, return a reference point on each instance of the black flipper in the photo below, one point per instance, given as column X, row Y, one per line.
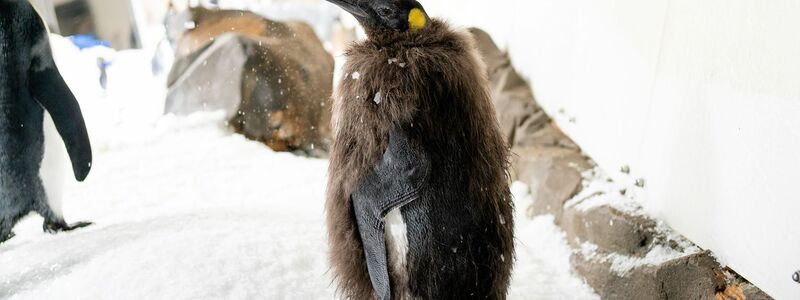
column 50, row 90
column 395, row 181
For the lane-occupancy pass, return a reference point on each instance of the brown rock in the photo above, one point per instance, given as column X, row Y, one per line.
column 519, row 115
column 274, row 79
column 546, row 159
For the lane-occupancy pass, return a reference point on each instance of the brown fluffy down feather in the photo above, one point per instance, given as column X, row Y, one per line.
column 438, row 85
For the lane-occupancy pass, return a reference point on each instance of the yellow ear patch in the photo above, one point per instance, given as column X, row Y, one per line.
column 417, row 19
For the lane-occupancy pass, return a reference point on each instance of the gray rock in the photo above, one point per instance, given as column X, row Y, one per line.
column 553, row 174
column 520, row 117
column 209, row 79
column 610, row 229
column 689, row 277
column 751, row 292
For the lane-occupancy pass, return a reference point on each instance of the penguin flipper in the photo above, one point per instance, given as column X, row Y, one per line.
column 49, row 89
column 395, row 181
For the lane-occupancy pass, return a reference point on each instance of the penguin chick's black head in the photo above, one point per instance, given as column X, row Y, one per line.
column 397, row 15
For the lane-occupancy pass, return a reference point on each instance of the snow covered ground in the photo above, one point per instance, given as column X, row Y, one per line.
column 186, row 209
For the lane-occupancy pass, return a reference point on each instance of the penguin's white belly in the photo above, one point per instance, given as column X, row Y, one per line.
column 54, row 165
column 396, row 235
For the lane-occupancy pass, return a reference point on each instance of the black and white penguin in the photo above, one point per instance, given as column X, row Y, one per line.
column 418, row 203
column 30, row 84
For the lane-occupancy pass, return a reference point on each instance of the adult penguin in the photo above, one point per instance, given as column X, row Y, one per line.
column 29, row 84
column 418, row 203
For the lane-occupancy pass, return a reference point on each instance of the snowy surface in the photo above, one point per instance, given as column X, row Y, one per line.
column 185, row 209
column 542, row 270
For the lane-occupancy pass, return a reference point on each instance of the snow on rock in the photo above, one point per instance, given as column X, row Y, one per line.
column 598, row 190
column 622, row 264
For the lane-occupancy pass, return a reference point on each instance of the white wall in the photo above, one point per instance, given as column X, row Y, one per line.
column 700, row 98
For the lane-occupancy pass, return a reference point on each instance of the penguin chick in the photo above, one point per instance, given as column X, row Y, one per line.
column 418, row 203
column 29, row 84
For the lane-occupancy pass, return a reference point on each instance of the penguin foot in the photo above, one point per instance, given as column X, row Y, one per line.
column 7, row 237
column 56, row 227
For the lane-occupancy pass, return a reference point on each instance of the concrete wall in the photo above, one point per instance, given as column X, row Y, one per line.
column 700, row 98
column 113, row 22
column 47, row 11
